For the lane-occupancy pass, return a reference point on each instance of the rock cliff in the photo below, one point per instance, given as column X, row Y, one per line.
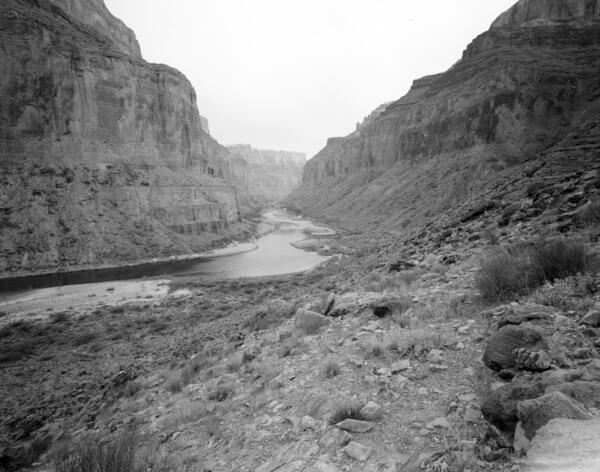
column 519, row 89
column 105, row 157
column 269, row 175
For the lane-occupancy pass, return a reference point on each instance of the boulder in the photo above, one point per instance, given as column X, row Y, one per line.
column 371, row 410
column 498, row 354
column 586, row 393
column 526, row 359
column 358, row 451
column 535, row 413
column 309, row 322
column 355, row 426
column 500, row 406
column 565, row 445
column 592, row 318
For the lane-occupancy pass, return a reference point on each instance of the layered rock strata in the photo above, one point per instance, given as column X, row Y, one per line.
column 269, row 175
column 105, row 157
column 518, row 90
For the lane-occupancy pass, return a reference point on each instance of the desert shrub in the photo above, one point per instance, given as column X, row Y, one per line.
column 220, row 392
column 589, row 215
column 16, row 351
column 115, row 454
column 84, row 338
column 274, row 312
column 572, row 293
column 559, row 258
column 346, row 410
column 331, row 369
column 519, row 269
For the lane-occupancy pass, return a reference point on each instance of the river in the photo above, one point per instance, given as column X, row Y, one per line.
column 273, row 253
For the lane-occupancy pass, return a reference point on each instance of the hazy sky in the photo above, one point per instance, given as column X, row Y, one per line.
column 288, row 74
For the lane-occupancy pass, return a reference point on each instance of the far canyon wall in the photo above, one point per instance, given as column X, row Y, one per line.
column 270, row 175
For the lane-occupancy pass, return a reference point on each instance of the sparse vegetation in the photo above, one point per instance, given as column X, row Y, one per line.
column 519, row 269
column 331, row 369
column 221, row 392
column 572, row 293
column 115, row 454
column 589, row 215
column 346, row 410
column 272, row 313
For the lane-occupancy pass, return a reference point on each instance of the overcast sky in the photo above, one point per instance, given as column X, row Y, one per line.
column 288, row 74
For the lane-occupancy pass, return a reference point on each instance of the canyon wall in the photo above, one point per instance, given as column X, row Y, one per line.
column 105, row 157
column 270, row 175
column 518, row 89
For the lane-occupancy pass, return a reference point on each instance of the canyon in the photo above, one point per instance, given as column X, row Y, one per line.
column 105, row 157
column 269, row 175
column 518, row 90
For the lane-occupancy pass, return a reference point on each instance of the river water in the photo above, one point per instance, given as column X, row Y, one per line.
column 272, row 254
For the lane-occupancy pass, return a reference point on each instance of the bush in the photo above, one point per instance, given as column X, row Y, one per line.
column 519, row 269
column 116, row 454
column 274, row 313
column 589, row 215
column 331, row 369
column 346, row 411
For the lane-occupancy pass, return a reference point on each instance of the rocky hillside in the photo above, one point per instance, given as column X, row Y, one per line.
column 105, row 157
column 270, row 175
column 456, row 137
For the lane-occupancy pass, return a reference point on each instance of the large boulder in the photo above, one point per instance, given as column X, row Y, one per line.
column 565, row 445
column 586, row 393
column 500, row 406
column 499, row 355
column 309, row 322
column 535, row 413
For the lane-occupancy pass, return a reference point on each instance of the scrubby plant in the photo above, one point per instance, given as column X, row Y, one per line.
column 519, row 269
column 346, row 410
column 117, row 453
column 572, row 293
column 589, row 215
column 272, row 313
column 220, row 392
column 331, row 369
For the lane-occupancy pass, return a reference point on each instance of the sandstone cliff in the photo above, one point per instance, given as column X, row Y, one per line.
column 105, row 157
column 519, row 89
column 269, row 176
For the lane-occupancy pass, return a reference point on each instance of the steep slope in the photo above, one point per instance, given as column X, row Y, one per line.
column 519, row 89
column 270, row 175
column 105, row 157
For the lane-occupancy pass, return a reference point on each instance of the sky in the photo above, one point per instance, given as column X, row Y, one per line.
column 288, row 74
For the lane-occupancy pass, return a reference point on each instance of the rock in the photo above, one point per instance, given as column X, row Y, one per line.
column 520, row 443
column 471, row 415
column 291, row 457
column 586, row 393
column 383, row 372
column 467, row 397
column 526, row 359
column 401, row 265
column 309, row 322
column 335, row 437
column 308, row 422
column 536, row 412
column 355, row 426
column 592, row 318
column 371, row 410
column 565, row 445
column 523, row 313
column 435, row 356
column 400, row 366
column 321, row 466
column 328, row 305
column 499, row 408
column 439, row 423
column 460, row 346
column 498, row 354
column 498, row 437
column 358, row 451
column 123, row 377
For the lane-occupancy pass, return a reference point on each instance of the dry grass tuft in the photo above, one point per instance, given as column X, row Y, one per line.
column 346, row 410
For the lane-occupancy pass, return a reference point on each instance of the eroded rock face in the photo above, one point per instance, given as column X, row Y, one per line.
column 95, row 14
column 516, row 91
column 270, row 175
column 105, row 157
column 537, row 12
